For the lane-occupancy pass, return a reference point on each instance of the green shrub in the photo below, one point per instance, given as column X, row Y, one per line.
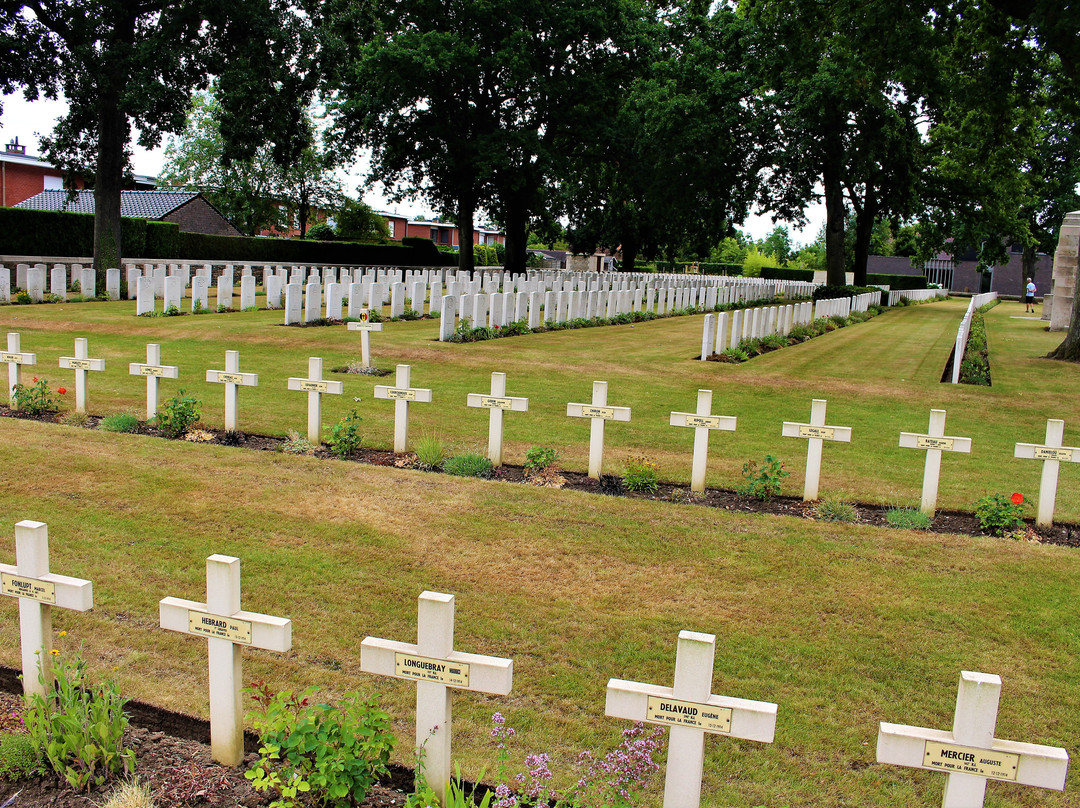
column 172, row 311
column 294, row 444
column 831, row 510
column 20, row 757
column 35, row 399
column 345, row 437
column 80, row 726
column 907, row 519
column 430, row 452
column 162, row 240
column 410, row 314
column 23, row 299
column 320, row 231
column 539, row 458
column 838, row 320
column 468, row 464
column 762, row 481
column 177, row 415
column 333, row 753
column 79, row 419
column 641, row 475
column 999, row 514
column 895, row 282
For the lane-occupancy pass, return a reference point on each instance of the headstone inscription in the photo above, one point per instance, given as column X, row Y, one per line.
column 934, row 442
column 814, row 433
column 1053, row 454
column 231, row 377
column 227, row 628
column 437, row 669
column 402, row 394
column 702, row 421
column 691, row 711
column 15, row 358
column 970, row 754
column 153, row 370
column 81, row 363
column 38, row 590
column 365, row 327
column 598, row 412
column 497, row 402
column 314, row 385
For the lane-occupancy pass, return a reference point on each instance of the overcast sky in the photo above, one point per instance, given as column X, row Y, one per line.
column 26, row 120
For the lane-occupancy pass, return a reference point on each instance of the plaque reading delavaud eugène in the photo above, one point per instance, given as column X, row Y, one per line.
column 926, row 442
column 495, row 403
column 1047, row 453
column 151, row 370
column 230, row 378
column 688, row 714
column 18, row 587
column 313, row 387
column 970, row 760
column 709, row 421
column 401, row 394
column 410, row 666
column 219, row 627
column 598, row 412
column 825, row 432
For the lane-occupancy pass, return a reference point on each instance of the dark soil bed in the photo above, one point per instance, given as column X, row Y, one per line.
column 946, row 521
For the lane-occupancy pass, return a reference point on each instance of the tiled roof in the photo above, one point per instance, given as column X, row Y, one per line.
column 134, row 204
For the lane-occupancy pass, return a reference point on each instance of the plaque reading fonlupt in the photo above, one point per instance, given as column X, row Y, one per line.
column 598, row 412
column 313, row 387
column 495, row 403
column 970, row 760
column 708, row 421
column 926, row 442
column 401, row 395
column 825, row 432
column 662, row 710
column 219, row 627
column 152, row 370
column 231, row 378
column 1047, row 453
column 409, row 666
column 18, row 587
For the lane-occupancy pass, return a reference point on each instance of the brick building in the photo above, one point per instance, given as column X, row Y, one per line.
column 962, row 275
column 444, row 234
column 188, row 209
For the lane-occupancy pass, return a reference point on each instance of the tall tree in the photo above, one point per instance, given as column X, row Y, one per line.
column 125, row 63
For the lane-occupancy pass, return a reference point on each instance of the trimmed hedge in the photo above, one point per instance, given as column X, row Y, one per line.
column 43, row 232
column 895, row 282
column 704, row 268
column 787, row 274
column 237, row 249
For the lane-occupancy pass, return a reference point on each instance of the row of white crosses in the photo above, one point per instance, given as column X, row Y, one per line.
column 969, row 755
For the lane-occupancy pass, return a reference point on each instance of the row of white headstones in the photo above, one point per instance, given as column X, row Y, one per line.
column 969, row 755
column 1051, row 452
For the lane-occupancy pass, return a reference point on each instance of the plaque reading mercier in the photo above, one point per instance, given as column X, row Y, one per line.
column 455, row 674
column 688, row 714
column 970, row 760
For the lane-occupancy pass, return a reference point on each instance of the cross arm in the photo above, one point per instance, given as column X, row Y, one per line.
column 835, row 433
column 317, row 386
column 1034, row 451
column 267, row 632
column 161, row 371
column 946, row 443
column 224, row 377
column 487, row 401
column 420, row 394
column 71, row 362
column 724, row 422
column 750, row 720
column 591, row 411
column 71, row 593
column 487, row 674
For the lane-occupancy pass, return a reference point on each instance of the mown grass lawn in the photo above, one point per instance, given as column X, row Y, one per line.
column 842, row 626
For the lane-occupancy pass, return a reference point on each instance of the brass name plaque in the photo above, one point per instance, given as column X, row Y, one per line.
column 598, row 412
column 11, row 357
column 230, row 378
column 151, row 370
column 925, row 442
column 662, row 710
column 313, row 387
column 220, row 628
column 495, row 403
column 970, row 760
column 79, row 364
column 401, row 394
column 824, row 432
column 707, row 421
column 1046, row 453
column 18, row 587
column 408, row 666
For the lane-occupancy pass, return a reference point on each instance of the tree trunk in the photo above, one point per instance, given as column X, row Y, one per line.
column 834, row 210
column 517, row 237
column 466, row 209
column 864, row 229
column 112, row 135
column 304, row 211
column 630, row 250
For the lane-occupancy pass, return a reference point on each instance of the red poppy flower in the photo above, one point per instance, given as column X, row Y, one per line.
column 61, row 390
column 1018, row 499
column 35, row 380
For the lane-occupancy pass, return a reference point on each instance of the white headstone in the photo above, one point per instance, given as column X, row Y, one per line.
column 448, row 317
column 58, row 281
column 402, row 394
column 312, row 302
column 174, row 291
column 144, row 303
column 598, row 412
column 225, row 289
column 294, row 301
column 153, row 370
column 200, row 293
column 81, row 363
column 814, row 433
column 333, row 301
column 112, row 283
column 247, row 292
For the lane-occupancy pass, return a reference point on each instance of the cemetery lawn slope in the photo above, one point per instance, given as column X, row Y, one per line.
column 842, row 626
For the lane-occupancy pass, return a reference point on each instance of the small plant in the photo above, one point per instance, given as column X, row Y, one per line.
column 430, row 452
column 832, row 510
column 410, row 314
column 177, row 415
column 641, row 475
column 468, row 464
column 20, row 757
column 251, row 308
column 79, row 419
column 197, row 306
column 80, row 726
column 907, row 519
column 35, row 399
column 172, row 311
column 332, row 753
column 375, row 316
column 130, row 794
column 120, row 422
column 294, row 444
column 222, row 308
column 999, row 514
column 231, row 437
column 344, row 437
column 75, row 287
column 23, row 298
column 762, row 481
column 539, row 458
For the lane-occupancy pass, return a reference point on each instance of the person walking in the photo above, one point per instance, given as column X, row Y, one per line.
column 1029, row 297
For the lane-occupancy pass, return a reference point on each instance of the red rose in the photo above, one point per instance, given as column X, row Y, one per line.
column 35, row 380
column 61, row 390
column 1018, row 499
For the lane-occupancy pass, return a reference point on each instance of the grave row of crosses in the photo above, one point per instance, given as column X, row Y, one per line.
column 816, row 432
column 969, row 755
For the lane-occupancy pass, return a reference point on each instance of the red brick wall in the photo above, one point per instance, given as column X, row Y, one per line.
column 19, row 182
column 198, row 216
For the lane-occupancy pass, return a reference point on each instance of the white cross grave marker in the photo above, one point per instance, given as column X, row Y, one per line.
column 436, row 668
column 314, row 385
column 814, row 433
column 365, row 327
column 970, row 754
column 153, row 370
column 231, row 377
column 1053, row 454
column 402, row 394
column 38, row 590
column 227, row 627
column 703, row 420
column 81, row 363
column 15, row 359
column 497, row 401
column 690, row 711
column 934, row 442
column 598, row 412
